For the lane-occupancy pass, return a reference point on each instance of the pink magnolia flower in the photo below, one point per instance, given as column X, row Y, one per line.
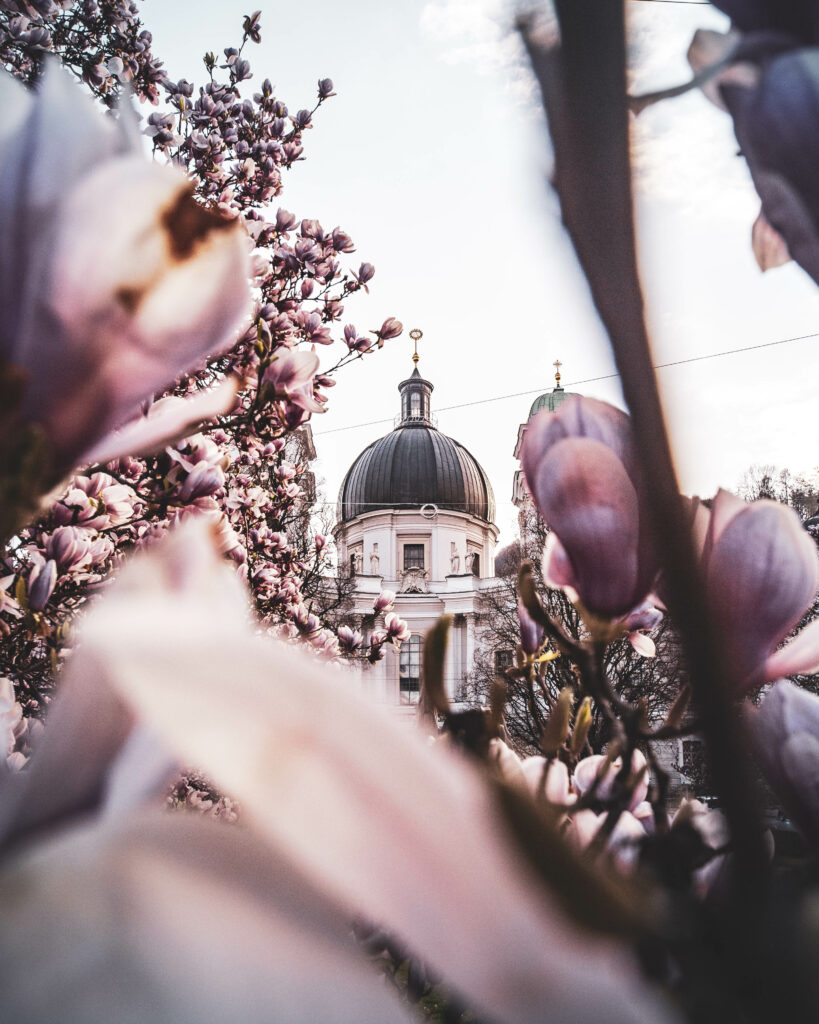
column 291, row 377
column 384, row 601
column 624, row 842
column 113, row 279
column 785, row 731
column 645, row 616
column 549, row 780
column 95, row 502
column 581, row 470
column 397, row 629
column 761, row 572
column 349, row 639
column 595, row 771
column 70, row 547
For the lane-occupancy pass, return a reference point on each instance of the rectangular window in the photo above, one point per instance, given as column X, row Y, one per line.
column 409, row 670
column 413, row 556
column 503, row 660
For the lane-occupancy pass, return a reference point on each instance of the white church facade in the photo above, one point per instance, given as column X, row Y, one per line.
column 416, row 515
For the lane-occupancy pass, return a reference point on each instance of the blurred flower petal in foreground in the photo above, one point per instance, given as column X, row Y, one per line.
column 113, row 279
column 771, row 90
column 785, row 729
column 387, row 828
column 178, row 919
column 761, row 572
column 581, row 469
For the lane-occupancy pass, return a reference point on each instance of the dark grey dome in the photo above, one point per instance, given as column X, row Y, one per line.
column 415, row 465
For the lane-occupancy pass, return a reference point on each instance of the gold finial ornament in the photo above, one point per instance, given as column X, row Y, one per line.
column 557, row 364
column 416, row 336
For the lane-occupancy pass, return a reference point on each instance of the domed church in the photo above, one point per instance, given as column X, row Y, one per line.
column 416, row 515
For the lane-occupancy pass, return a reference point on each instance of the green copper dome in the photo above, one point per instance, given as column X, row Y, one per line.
column 552, row 401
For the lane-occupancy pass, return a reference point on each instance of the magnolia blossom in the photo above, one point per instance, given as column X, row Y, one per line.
column 785, row 730
column 581, row 470
column 113, row 279
column 290, row 376
column 384, row 601
column 397, row 629
column 349, row 639
column 342, row 804
column 761, row 573
column 770, row 87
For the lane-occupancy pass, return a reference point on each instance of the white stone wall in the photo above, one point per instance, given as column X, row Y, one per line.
column 458, row 595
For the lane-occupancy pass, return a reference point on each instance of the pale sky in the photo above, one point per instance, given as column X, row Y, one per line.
column 433, row 156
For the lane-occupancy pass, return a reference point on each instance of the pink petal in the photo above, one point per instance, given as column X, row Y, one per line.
column 723, row 509
column 579, row 418
column 134, row 302
column 555, row 787
column 642, row 644
column 557, row 569
column 799, row 657
column 168, row 420
column 587, row 498
column 770, row 248
column 762, row 576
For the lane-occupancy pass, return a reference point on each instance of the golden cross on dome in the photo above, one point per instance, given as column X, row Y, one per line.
column 557, row 364
column 416, row 336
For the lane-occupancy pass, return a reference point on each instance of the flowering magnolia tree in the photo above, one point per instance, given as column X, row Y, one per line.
column 559, row 887
column 145, row 270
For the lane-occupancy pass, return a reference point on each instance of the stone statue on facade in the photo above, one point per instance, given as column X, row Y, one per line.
column 454, row 560
column 375, row 561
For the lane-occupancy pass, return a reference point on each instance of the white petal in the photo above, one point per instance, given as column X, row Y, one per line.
column 357, row 800
column 642, row 644
column 176, row 919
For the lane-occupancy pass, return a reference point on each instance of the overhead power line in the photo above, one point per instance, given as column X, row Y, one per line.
column 587, row 380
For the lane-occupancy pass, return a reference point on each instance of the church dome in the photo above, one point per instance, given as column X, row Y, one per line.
column 416, row 465
column 551, row 400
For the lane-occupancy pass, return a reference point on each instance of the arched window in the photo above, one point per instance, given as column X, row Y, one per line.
column 415, row 405
column 409, row 670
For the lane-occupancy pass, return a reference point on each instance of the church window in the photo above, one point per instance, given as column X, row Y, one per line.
column 503, row 660
column 409, row 670
column 413, row 556
column 415, row 405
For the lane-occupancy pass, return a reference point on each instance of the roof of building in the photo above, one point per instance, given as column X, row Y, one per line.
column 551, row 400
column 415, row 465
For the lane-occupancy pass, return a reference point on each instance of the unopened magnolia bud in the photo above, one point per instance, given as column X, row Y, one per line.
column 582, row 724
column 556, row 730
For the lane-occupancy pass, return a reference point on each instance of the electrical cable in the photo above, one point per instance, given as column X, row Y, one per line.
column 587, row 380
